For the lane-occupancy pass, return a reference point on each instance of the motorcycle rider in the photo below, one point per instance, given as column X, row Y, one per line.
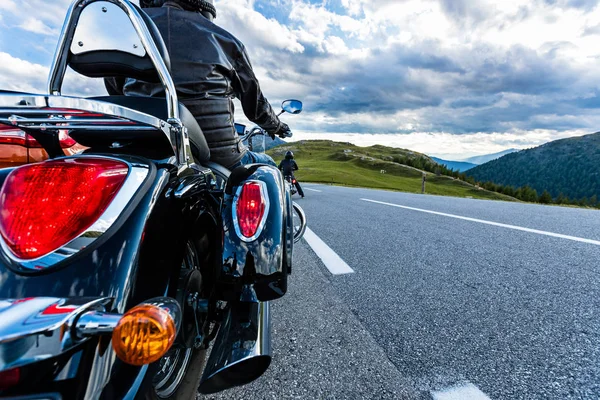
column 288, row 166
column 209, row 67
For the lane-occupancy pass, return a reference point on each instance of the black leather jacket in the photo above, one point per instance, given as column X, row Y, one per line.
column 209, row 67
column 288, row 167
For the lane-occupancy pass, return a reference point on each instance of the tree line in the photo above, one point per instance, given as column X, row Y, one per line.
column 523, row 193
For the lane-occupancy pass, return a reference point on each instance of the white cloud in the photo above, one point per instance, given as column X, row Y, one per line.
column 36, row 26
column 262, row 31
column 21, row 75
column 24, row 76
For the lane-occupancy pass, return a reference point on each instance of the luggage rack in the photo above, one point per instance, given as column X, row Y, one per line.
column 49, row 112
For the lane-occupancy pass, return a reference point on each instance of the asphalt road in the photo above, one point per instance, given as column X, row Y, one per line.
column 502, row 305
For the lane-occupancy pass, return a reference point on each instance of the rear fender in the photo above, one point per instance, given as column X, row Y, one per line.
column 256, row 270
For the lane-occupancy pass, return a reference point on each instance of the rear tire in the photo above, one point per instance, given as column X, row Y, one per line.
column 188, row 388
column 179, row 374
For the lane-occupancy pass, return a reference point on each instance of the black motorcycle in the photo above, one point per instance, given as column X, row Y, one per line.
column 291, row 181
column 121, row 266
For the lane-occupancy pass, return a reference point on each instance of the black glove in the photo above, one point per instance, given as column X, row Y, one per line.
column 284, row 131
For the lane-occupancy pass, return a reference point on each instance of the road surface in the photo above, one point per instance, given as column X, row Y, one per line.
column 398, row 295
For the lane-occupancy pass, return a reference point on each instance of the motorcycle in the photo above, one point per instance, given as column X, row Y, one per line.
column 291, row 181
column 120, row 267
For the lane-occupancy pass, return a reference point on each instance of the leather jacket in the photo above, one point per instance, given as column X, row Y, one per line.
column 288, row 167
column 209, row 67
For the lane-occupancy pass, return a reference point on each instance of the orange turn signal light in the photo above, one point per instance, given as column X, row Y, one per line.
column 143, row 335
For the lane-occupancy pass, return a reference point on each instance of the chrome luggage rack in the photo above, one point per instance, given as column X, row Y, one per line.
column 50, row 112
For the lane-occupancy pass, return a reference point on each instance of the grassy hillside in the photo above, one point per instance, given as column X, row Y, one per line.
column 325, row 161
column 567, row 167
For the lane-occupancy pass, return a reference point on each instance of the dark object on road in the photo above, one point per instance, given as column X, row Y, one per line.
column 288, row 166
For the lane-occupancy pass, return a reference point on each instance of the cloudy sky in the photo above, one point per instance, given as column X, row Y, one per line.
column 451, row 78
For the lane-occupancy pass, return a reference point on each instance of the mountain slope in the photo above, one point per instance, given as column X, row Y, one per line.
column 478, row 160
column 566, row 166
column 377, row 166
column 455, row 165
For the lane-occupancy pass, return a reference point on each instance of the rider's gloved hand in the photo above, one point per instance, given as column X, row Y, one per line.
column 284, row 131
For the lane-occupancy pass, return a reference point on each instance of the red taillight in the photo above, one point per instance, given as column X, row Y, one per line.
column 44, row 206
column 9, row 378
column 250, row 209
column 11, row 135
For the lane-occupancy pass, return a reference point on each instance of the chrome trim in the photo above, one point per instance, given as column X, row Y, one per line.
column 96, row 323
column 25, row 102
column 59, row 123
column 102, row 127
column 242, row 349
column 35, row 329
column 52, row 106
column 265, row 196
column 136, row 176
column 103, row 107
column 61, row 56
column 93, row 22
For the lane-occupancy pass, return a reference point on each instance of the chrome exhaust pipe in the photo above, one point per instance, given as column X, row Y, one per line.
column 242, row 350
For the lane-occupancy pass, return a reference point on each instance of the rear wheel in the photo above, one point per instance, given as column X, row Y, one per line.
column 180, row 370
column 299, row 222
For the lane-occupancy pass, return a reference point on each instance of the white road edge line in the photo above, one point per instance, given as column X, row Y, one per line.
column 481, row 221
column 314, row 190
column 332, row 261
column 462, row 392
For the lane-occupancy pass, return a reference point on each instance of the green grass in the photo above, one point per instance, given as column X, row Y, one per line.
column 323, row 161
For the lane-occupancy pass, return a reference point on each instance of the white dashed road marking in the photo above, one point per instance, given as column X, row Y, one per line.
column 332, row 261
column 463, row 392
column 313, row 190
column 482, row 221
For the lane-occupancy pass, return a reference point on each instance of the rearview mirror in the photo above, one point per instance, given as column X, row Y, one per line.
column 292, row 106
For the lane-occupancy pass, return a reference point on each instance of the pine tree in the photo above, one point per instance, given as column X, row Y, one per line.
column 545, row 198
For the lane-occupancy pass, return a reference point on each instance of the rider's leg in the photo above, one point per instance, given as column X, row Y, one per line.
column 254, row 158
column 262, row 158
column 299, row 188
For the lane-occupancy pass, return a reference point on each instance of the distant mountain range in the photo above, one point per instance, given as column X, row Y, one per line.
column 567, row 166
column 465, row 165
column 460, row 166
column 478, row 160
